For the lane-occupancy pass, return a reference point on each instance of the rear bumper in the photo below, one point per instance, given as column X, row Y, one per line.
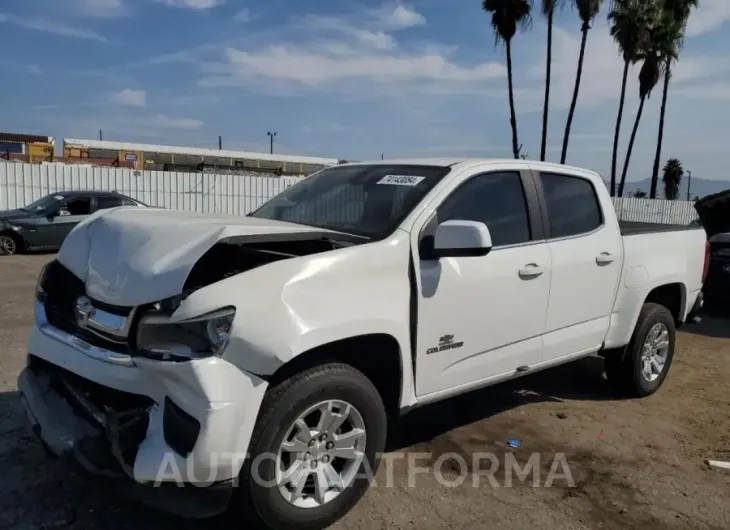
column 161, row 429
column 697, row 307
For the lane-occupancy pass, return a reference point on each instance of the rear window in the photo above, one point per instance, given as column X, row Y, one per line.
column 572, row 205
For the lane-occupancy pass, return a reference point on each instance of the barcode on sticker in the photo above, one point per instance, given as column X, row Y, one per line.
column 401, row 180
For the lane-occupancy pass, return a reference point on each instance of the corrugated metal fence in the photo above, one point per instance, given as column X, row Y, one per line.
column 232, row 194
column 655, row 210
column 21, row 184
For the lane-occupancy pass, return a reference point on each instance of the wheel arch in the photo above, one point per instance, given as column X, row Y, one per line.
column 377, row 355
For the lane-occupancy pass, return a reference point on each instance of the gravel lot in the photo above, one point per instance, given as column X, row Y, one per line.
column 636, row 464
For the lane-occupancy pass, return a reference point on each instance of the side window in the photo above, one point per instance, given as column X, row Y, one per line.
column 77, row 206
column 495, row 199
column 572, row 204
column 128, row 202
column 105, row 202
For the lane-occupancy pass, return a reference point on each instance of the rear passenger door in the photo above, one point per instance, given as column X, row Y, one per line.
column 586, row 265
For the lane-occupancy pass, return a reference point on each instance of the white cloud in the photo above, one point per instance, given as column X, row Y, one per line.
column 289, row 63
column 165, row 122
column 399, row 16
column 709, row 16
column 101, row 8
column 711, row 91
column 49, row 26
column 134, row 98
column 244, row 16
column 193, row 4
column 350, row 54
column 602, row 69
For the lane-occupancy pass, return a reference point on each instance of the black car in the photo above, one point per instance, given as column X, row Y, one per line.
column 714, row 213
column 45, row 223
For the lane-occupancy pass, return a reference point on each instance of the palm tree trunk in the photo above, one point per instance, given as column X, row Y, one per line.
column 658, row 156
column 573, row 103
column 512, row 116
column 548, row 68
column 631, row 148
column 616, row 134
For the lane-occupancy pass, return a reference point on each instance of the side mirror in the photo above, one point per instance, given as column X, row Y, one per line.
column 461, row 239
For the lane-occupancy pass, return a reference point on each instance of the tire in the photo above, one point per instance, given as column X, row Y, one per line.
column 10, row 244
column 627, row 372
column 258, row 496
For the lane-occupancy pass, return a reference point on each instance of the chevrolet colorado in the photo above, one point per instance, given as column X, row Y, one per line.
column 255, row 360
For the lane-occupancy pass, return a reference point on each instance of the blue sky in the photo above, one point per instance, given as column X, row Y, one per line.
column 346, row 78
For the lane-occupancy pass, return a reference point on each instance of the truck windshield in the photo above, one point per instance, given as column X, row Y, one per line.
column 365, row 200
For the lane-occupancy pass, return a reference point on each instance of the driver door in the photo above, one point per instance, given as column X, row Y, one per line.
column 57, row 225
column 482, row 318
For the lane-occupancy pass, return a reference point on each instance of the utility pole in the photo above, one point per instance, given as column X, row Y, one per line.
column 220, row 143
column 689, row 183
column 271, row 136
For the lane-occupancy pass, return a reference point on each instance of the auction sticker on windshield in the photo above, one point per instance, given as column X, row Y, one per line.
column 401, row 180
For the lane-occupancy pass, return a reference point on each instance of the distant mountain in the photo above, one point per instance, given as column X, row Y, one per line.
column 699, row 187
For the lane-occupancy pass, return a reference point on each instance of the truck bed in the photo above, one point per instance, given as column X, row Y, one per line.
column 632, row 228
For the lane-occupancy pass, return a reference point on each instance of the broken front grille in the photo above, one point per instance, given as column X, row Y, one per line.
column 62, row 293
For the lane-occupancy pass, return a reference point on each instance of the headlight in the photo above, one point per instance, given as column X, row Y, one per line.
column 200, row 337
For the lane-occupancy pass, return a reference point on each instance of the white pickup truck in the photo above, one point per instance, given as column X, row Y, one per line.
column 257, row 358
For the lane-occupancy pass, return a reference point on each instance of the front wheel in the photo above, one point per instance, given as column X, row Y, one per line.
column 649, row 354
column 9, row 244
column 315, row 447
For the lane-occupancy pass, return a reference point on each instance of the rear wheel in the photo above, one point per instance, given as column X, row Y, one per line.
column 9, row 244
column 644, row 367
column 315, row 446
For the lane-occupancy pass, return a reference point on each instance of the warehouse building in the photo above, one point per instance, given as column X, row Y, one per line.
column 171, row 158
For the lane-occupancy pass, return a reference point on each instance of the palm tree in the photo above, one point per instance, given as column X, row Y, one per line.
column 507, row 16
column 648, row 79
column 631, row 24
column 548, row 10
column 676, row 15
column 639, row 194
column 587, row 10
column 673, row 172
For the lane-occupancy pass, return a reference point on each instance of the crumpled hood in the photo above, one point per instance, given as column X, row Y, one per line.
column 714, row 212
column 130, row 256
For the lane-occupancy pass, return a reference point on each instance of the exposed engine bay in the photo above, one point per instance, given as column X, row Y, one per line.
column 226, row 259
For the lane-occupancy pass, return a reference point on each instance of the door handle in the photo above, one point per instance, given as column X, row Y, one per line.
column 604, row 258
column 531, row 270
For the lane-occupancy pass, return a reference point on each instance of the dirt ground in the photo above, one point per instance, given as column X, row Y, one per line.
column 635, row 464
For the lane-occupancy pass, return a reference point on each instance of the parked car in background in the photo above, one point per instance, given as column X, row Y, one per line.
column 714, row 213
column 45, row 223
column 267, row 351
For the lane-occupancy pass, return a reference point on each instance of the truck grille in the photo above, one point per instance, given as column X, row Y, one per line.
column 62, row 290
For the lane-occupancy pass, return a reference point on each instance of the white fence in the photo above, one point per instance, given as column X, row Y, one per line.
column 21, row 184
column 655, row 210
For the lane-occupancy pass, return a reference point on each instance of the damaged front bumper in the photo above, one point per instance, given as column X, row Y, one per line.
column 104, row 443
column 173, row 434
